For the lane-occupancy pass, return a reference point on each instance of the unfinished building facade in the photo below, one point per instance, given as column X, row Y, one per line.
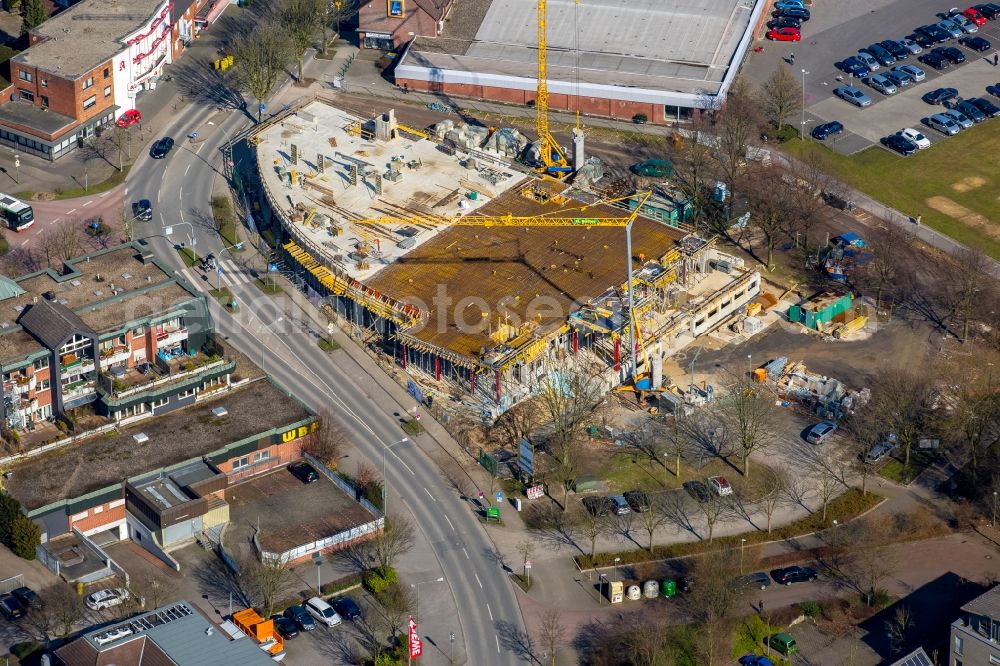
column 476, row 277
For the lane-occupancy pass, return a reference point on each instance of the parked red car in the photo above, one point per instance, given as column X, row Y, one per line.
column 784, row 34
column 974, row 15
column 130, row 117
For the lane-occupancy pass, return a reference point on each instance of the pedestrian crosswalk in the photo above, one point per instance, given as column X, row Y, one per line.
column 226, row 273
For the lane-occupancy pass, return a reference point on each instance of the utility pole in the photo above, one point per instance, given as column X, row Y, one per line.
column 802, row 125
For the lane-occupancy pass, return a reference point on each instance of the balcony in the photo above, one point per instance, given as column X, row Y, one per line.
column 169, row 337
column 110, row 357
column 79, row 393
column 164, row 377
column 76, row 364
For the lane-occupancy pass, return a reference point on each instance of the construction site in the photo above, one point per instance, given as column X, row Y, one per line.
column 476, row 274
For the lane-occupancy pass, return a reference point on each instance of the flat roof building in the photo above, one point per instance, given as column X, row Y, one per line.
column 177, row 634
column 659, row 58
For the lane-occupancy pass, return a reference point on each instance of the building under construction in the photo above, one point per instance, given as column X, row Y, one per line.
column 474, row 274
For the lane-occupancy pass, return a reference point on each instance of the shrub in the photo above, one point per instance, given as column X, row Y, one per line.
column 640, row 119
column 25, row 649
column 25, row 536
column 810, row 608
column 377, row 582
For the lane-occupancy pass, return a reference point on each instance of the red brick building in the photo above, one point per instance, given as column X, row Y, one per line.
column 85, row 67
column 390, row 24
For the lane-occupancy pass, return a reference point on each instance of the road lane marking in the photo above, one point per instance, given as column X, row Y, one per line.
column 498, row 643
column 449, row 523
column 187, row 169
column 25, row 242
column 466, row 553
column 88, row 203
column 490, row 611
column 157, row 195
column 478, row 581
column 401, row 462
column 180, row 194
column 70, row 212
column 429, row 494
column 181, row 213
column 101, row 196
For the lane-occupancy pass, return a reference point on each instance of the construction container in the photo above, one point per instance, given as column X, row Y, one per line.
column 617, row 592
column 473, row 195
column 753, row 309
column 760, row 375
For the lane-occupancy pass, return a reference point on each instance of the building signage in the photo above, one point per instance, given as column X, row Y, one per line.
column 378, row 35
column 526, row 458
column 301, row 431
column 395, row 8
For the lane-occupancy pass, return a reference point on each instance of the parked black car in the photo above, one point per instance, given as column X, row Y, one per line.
column 990, row 10
column 304, row 472
column 758, row 580
column 790, row 575
column 976, row 43
column 953, row 55
column 884, row 58
column 11, row 607
column 161, row 148
column 899, row 144
column 969, row 109
column 988, row 108
column 286, row 626
column 935, row 60
column 346, row 607
column 785, row 22
column 940, row 96
column 301, row 617
column 697, row 490
column 898, row 51
column 637, row 500
column 934, row 33
column 792, row 12
column 26, row 596
column 597, row 506
column 922, row 40
column 826, row 130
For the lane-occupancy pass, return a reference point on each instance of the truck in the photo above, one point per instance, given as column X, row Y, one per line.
column 262, row 631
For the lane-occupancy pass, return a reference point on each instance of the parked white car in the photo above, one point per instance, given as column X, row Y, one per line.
column 323, row 612
column 916, row 136
column 720, row 486
column 107, row 598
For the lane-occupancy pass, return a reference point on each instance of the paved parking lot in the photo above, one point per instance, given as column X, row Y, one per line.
column 838, row 30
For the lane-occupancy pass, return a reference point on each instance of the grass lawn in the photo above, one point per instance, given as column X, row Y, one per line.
column 952, row 184
column 225, row 297
column 328, row 345
column 267, row 286
column 187, row 255
column 222, row 213
column 622, row 474
column 116, row 178
column 894, row 470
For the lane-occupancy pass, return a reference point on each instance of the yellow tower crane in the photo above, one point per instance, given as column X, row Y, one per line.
column 553, row 158
column 554, row 220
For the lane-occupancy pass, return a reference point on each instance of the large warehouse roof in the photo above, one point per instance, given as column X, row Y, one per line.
column 667, row 46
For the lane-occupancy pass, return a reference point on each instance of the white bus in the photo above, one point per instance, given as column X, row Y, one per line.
column 16, row 214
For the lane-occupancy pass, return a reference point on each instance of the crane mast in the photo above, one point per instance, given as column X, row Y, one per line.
column 554, row 162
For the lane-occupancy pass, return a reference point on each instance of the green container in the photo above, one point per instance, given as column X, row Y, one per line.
column 668, row 588
column 493, row 513
column 473, row 195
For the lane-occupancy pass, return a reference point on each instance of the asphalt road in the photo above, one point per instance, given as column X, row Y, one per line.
column 180, row 188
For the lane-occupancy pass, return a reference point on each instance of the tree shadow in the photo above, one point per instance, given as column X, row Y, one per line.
column 516, row 641
column 217, row 582
column 199, row 81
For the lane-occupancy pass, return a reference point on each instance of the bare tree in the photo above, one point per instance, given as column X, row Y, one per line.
column 260, row 55
column 738, row 126
column 890, row 247
column 397, row 602
column 970, row 277
column 328, row 443
column 864, row 429
column 267, row 580
column 694, row 169
column 900, row 400
column 395, row 540
column 652, row 519
column 780, row 96
column 118, row 139
column 526, row 549
column 976, row 420
column 333, row 13
column 828, row 484
column 592, row 525
column 551, row 635
column 898, row 628
column 747, row 410
column 649, row 442
column 567, row 399
column 769, row 199
column 518, row 422
column 300, row 18
column 712, row 575
column 712, row 510
column 869, row 563
column 64, row 608
column 772, row 493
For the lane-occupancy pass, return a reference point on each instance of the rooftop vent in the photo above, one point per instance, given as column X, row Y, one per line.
column 220, row 411
column 146, row 257
column 75, row 283
column 49, row 295
column 140, row 438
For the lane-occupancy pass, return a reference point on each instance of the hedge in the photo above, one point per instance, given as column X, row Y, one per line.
column 849, row 505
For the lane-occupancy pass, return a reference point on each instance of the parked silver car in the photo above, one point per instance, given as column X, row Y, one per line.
column 963, row 120
column 951, row 28
column 820, row 432
column 853, row 95
column 944, row 124
column 881, row 84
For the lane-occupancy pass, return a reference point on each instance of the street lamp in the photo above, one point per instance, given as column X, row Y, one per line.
column 993, row 523
column 385, row 480
column 416, row 586
column 229, row 146
column 802, row 126
column 218, row 266
column 264, row 326
column 617, row 560
column 193, row 241
column 743, row 543
column 17, row 168
column 318, row 560
column 603, row 579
